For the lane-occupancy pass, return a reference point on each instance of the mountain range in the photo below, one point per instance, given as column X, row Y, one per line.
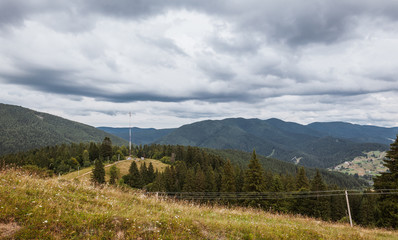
column 319, row 145
column 24, row 129
column 315, row 145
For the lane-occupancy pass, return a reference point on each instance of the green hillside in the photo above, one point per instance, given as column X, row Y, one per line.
column 34, row 208
column 23, row 129
column 276, row 138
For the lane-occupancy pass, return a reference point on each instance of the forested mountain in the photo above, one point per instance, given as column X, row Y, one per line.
column 292, row 142
column 356, row 133
column 139, row 135
column 23, row 129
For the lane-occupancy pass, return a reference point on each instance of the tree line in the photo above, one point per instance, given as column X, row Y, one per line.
column 192, row 169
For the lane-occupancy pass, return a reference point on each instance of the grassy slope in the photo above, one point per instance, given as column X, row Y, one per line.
column 61, row 209
column 124, row 166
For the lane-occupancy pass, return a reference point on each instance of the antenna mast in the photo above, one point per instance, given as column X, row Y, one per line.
column 130, row 134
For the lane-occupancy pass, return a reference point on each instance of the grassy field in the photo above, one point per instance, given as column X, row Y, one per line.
column 371, row 164
column 124, row 165
column 33, row 208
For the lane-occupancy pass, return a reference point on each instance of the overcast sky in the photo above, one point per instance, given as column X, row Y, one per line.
column 176, row 62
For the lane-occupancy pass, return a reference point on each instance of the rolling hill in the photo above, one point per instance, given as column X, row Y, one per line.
column 307, row 145
column 23, row 129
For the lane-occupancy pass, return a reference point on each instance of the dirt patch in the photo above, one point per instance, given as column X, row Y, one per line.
column 8, row 229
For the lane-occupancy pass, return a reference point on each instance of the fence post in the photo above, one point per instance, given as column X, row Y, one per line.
column 348, row 207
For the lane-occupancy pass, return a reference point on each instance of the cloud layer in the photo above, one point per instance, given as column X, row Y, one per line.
column 175, row 62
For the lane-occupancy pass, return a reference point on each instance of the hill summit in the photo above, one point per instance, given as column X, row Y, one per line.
column 23, row 129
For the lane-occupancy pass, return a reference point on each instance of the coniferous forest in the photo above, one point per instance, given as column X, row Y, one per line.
column 201, row 175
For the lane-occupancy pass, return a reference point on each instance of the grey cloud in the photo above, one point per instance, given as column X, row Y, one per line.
column 164, row 44
column 215, row 70
column 290, row 21
column 66, row 83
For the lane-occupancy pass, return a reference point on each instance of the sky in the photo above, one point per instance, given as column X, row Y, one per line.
column 176, row 62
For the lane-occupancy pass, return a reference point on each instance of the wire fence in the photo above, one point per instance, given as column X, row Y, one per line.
column 269, row 195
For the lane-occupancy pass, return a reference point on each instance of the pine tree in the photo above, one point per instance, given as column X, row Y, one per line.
column 189, row 185
column 98, row 175
column 86, row 158
column 151, row 173
column 114, row 173
column 106, row 148
column 320, row 205
column 228, row 183
column 200, row 181
column 133, row 179
column 144, row 174
column 211, row 185
column 254, row 176
column 302, row 182
column 388, row 203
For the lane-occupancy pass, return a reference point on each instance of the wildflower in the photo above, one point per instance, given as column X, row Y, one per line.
column 45, row 221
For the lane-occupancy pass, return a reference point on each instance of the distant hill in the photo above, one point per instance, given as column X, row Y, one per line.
column 139, row 135
column 355, row 132
column 23, row 129
column 310, row 145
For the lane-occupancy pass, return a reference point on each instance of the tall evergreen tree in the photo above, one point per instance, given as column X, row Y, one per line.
column 320, row 205
column 86, row 158
column 144, row 174
column 114, row 173
column 388, row 203
column 98, row 175
column 210, row 179
column 106, row 148
column 200, row 181
column 133, row 179
column 302, row 181
column 254, row 176
column 151, row 173
column 228, row 183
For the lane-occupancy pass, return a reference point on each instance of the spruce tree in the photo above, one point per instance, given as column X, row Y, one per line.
column 320, row 205
column 200, row 181
column 254, row 176
column 106, row 148
column 388, row 203
column 151, row 173
column 228, row 183
column 114, row 173
column 98, row 174
column 189, row 185
column 144, row 173
column 210, row 179
column 302, row 182
column 133, row 179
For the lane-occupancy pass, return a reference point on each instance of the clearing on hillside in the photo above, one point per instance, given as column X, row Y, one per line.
column 123, row 165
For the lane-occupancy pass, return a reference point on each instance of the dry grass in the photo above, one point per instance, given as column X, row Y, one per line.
column 62, row 209
column 124, row 165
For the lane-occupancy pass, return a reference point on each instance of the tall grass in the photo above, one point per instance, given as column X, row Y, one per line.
column 72, row 209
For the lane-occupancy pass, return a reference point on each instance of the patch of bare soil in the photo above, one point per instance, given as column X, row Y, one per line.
column 8, row 229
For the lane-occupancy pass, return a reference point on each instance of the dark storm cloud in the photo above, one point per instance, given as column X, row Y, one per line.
column 287, row 21
column 67, row 83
